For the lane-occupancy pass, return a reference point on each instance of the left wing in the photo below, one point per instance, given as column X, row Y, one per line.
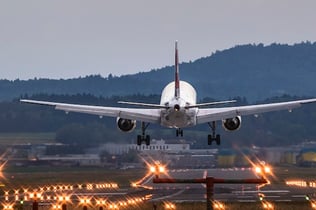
column 214, row 114
column 146, row 115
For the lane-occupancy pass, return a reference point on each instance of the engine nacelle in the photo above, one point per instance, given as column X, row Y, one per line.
column 126, row 125
column 232, row 124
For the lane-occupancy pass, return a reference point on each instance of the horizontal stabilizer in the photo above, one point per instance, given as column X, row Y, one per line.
column 210, row 104
column 143, row 104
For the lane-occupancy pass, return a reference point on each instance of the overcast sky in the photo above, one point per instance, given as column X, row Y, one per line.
column 72, row 38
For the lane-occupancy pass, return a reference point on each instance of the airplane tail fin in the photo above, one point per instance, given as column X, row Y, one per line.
column 176, row 79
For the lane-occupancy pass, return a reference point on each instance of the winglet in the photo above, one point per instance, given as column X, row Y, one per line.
column 176, row 79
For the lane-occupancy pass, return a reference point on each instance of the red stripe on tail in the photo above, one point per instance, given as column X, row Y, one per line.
column 176, row 79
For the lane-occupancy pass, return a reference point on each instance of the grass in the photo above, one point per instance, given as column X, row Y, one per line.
column 14, row 177
column 26, row 138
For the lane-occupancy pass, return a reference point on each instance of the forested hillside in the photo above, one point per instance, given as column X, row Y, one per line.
column 253, row 71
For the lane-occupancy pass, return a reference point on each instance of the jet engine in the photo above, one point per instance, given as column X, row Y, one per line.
column 126, row 125
column 232, row 124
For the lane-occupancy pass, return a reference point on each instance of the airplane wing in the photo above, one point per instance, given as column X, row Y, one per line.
column 214, row 114
column 146, row 115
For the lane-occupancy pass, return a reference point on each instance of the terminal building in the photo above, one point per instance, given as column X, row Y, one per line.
column 156, row 145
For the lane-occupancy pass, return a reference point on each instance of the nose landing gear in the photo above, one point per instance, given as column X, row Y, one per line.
column 179, row 132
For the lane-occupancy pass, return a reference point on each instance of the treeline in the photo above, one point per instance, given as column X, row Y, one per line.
column 270, row 129
column 254, row 71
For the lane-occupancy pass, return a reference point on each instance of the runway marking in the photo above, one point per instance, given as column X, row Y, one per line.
column 298, row 196
column 241, row 197
column 247, row 201
column 262, row 191
column 169, row 196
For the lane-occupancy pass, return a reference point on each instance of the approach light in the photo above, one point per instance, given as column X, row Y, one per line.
column 218, row 205
column 267, row 169
column 152, row 169
column 262, row 169
column 258, row 170
column 7, row 206
column 161, row 169
column 267, row 205
column 307, row 197
column 169, row 206
column 261, row 196
column 157, row 168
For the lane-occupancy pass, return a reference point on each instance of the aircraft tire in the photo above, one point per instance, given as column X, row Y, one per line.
column 209, row 139
column 218, row 139
column 147, row 140
column 139, row 140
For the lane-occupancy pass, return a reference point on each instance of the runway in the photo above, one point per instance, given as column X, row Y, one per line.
column 110, row 194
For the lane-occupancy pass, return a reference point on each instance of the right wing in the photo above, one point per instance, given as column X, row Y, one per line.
column 145, row 115
column 214, row 114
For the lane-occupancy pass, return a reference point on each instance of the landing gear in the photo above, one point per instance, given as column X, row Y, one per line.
column 179, row 132
column 143, row 138
column 213, row 137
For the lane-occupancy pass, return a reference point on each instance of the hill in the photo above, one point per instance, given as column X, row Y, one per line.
column 253, row 71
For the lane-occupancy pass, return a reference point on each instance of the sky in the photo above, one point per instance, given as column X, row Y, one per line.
column 74, row 38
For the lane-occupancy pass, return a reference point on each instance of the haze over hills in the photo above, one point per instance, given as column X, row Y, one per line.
column 252, row 71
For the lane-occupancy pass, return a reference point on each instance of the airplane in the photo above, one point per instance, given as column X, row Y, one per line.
column 178, row 109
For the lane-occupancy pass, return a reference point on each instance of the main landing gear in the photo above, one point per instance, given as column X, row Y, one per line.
column 179, row 132
column 143, row 138
column 213, row 137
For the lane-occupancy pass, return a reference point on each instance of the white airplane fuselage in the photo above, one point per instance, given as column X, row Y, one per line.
column 177, row 116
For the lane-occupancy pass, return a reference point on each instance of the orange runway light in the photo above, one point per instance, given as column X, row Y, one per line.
column 7, row 206
column 169, row 205
column 218, row 205
column 267, row 205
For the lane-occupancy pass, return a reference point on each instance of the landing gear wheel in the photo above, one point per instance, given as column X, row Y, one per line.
column 209, row 139
column 139, row 140
column 143, row 138
column 179, row 132
column 213, row 137
column 147, row 140
column 218, row 139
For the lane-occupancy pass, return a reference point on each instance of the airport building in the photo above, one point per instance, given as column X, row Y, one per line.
column 178, row 154
column 156, row 145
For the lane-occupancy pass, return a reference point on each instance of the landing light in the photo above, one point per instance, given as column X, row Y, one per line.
column 176, row 107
